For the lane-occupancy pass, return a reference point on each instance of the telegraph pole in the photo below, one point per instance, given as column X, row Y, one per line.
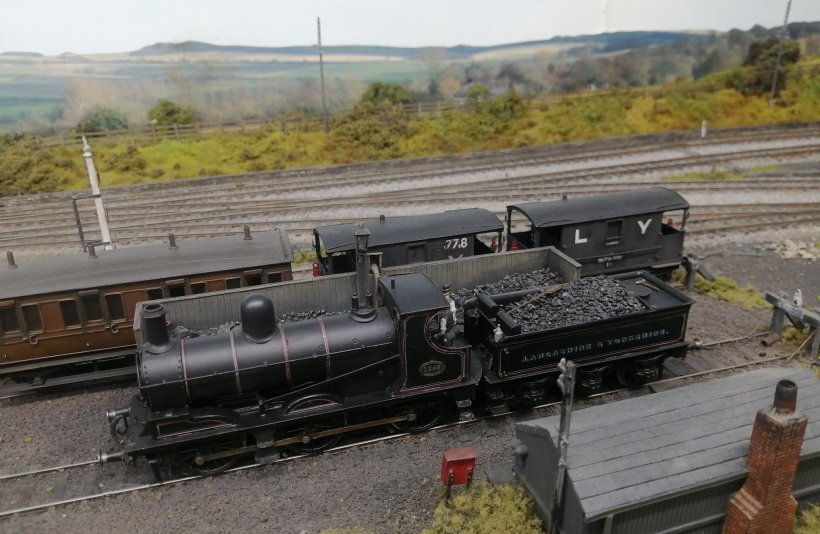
column 779, row 53
column 97, row 196
column 322, row 72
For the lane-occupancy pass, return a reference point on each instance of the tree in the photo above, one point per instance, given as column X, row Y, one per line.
column 756, row 76
column 167, row 113
column 103, row 120
column 374, row 128
column 477, row 94
column 390, row 93
column 764, row 53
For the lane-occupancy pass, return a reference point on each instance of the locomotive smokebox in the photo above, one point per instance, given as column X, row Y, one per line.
column 155, row 329
column 258, row 318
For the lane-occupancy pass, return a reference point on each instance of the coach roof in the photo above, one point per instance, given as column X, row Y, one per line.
column 601, row 207
column 54, row 274
column 411, row 229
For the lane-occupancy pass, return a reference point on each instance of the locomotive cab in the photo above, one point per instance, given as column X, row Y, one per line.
column 416, row 304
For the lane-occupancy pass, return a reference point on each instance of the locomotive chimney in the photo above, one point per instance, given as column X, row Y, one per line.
column 155, row 331
column 362, row 298
column 172, row 241
column 247, row 233
column 258, row 318
column 10, row 258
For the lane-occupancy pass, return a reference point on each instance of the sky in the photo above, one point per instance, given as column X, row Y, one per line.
column 101, row 26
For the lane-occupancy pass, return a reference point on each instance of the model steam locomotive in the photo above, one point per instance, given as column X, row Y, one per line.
column 263, row 386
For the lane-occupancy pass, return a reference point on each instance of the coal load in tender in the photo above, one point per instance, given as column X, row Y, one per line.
column 512, row 283
column 589, row 299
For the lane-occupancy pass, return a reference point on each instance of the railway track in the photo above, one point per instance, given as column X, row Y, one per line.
column 195, row 211
column 702, row 219
column 86, row 480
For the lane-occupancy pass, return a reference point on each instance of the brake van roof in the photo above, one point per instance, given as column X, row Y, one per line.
column 601, row 207
column 409, row 229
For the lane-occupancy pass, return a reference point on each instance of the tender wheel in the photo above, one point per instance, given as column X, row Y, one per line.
column 422, row 416
column 626, row 377
column 193, row 462
column 314, row 436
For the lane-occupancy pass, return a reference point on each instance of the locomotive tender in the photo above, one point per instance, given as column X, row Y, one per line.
column 264, row 386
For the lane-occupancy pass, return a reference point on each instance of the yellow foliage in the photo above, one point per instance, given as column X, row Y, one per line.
column 485, row 509
column 726, row 289
column 808, row 521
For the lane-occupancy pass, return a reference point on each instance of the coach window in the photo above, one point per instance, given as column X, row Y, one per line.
column 92, row 306
column 274, row 277
column 154, row 293
column 71, row 316
column 116, row 311
column 8, row 319
column 31, row 314
column 253, row 277
column 233, row 283
column 197, row 288
column 613, row 229
column 176, row 288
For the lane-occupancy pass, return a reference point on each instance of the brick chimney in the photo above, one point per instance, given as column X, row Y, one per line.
column 765, row 505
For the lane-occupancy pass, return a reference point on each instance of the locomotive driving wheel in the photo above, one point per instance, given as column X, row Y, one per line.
column 317, row 434
column 421, row 416
column 206, row 458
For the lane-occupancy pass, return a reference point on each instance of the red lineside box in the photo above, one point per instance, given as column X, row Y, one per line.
column 461, row 462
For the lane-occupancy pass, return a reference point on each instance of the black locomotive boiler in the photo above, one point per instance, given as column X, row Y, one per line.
column 264, row 386
column 297, row 385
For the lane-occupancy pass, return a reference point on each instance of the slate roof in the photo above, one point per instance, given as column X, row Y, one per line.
column 626, row 452
column 601, row 207
column 75, row 272
column 394, row 230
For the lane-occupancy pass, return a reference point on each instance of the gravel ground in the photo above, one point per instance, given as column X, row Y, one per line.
column 387, row 487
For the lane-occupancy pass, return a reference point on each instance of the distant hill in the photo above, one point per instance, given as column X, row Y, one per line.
column 603, row 43
column 22, row 54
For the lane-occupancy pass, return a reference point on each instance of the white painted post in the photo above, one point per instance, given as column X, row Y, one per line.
column 95, row 190
column 703, row 128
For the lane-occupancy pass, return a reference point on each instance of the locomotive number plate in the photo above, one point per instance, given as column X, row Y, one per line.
column 432, row 368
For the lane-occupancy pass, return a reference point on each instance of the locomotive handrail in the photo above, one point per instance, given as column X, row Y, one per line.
column 309, row 387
